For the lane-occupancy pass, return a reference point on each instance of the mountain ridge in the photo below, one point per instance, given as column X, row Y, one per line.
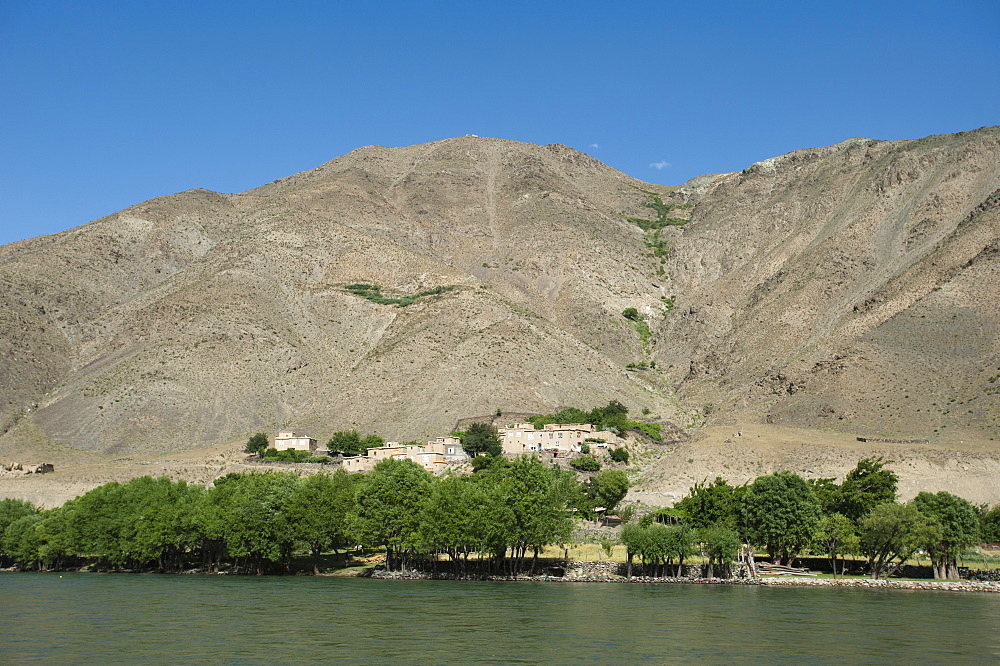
column 800, row 287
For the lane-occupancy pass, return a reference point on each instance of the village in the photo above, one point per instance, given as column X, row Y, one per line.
column 559, row 440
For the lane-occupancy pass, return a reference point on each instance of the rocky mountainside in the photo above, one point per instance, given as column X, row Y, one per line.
column 850, row 288
column 200, row 317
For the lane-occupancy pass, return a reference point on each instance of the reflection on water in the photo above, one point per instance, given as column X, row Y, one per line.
column 149, row 618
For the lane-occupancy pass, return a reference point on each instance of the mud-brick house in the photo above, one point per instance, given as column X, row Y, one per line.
column 432, row 456
column 290, row 441
column 558, row 438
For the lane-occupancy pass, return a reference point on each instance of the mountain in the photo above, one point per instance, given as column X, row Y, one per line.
column 850, row 288
column 199, row 318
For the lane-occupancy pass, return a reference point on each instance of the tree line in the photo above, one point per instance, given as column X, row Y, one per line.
column 502, row 515
column 258, row 521
column 786, row 515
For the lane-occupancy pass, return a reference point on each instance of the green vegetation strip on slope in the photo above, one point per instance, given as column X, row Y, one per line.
column 613, row 417
column 662, row 210
column 373, row 293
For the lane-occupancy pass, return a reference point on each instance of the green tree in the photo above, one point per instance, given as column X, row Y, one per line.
column 827, row 492
column 890, row 531
column 530, row 509
column 633, row 537
column 347, row 442
column 781, row 514
column 619, row 454
column 585, row 463
column 626, row 513
column 989, row 523
column 12, row 510
column 954, row 526
column 715, row 503
column 165, row 520
column 389, row 503
column 481, row 438
column 631, row 314
column 21, row 541
column 835, row 533
column 866, row 486
column 659, row 545
column 246, row 511
column 317, row 512
column 56, row 536
column 613, row 416
column 454, row 519
column 609, row 488
column 256, row 444
column 720, row 543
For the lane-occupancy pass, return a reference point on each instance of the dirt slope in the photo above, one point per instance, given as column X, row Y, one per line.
column 851, row 287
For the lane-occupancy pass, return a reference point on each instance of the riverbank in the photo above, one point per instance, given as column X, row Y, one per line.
column 778, row 581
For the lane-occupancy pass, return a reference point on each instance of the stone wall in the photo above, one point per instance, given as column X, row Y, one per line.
column 950, row 585
column 979, row 574
column 578, row 569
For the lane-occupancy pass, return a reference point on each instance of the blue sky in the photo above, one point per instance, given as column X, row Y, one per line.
column 106, row 104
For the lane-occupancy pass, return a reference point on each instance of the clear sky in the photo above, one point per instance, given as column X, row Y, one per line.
column 106, row 104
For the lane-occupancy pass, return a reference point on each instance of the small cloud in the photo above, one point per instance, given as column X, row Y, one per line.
column 662, row 164
column 594, row 145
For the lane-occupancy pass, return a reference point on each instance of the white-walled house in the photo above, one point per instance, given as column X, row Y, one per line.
column 290, row 441
column 558, row 438
column 433, row 456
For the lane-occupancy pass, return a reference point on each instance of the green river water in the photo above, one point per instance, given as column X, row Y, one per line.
column 95, row 618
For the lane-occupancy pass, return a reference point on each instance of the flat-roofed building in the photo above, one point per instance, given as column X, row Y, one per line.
column 432, row 456
column 290, row 441
column 558, row 438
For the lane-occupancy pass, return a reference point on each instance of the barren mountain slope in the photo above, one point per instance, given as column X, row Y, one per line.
column 199, row 317
column 853, row 287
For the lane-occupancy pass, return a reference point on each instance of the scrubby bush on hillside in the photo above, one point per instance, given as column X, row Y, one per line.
column 586, row 463
column 619, row 455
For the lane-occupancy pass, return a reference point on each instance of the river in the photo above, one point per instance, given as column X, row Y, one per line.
column 76, row 618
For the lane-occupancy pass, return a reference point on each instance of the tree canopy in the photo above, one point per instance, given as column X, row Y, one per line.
column 481, row 438
column 256, row 444
column 714, row 503
column 388, row 505
column 890, row 531
column 952, row 526
column 781, row 514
